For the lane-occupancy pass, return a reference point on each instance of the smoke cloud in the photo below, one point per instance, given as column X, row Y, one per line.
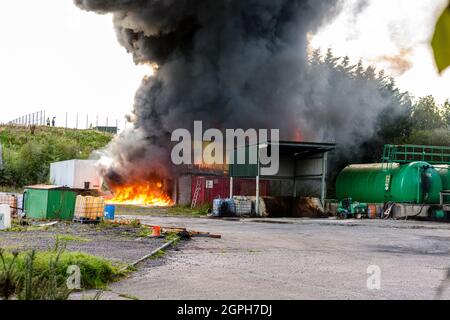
column 231, row 64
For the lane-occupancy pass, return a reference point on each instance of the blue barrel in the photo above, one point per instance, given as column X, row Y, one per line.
column 231, row 207
column 110, row 211
column 224, row 208
column 217, row 204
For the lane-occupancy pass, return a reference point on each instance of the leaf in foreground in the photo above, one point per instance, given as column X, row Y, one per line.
column 441, row 41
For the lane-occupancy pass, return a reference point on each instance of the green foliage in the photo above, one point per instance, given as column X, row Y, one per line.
column 42, row 275
column 426, row 114
column 145, row 232
column 68, row 238
column 199, row 211
column 8, row 276
column 128, row 296
column 46, row 285
column 437, row 137
column 173, row 236
column 441, row 41
column 402, row 120
column 446, row 113
column 27, row 156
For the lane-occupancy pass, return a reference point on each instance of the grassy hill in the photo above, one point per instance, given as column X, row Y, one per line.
column 27, row 156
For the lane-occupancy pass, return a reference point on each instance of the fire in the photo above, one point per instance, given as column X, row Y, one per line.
column 298, row 135
column 150, row 194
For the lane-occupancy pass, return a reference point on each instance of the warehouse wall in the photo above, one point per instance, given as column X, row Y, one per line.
column 182, row 191
column 309, row 186
column 308, row 172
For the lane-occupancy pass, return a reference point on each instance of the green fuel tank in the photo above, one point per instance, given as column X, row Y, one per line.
column 416, row 182
column 444, row 172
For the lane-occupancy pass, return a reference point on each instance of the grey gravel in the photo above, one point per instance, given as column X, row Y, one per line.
column 120, row 244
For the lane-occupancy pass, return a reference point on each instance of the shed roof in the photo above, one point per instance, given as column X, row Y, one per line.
column 304, row 149
column 44, row 187
column 293, row 149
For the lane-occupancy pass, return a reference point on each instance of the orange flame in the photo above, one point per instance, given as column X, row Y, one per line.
column 148, row 194
column 298, row 135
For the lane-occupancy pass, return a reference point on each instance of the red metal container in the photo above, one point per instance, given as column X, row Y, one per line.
column 219, row 187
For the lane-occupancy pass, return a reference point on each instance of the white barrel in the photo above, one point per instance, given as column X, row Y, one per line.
column 5, row 217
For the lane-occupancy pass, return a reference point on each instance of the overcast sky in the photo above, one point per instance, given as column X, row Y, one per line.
column 56, row 57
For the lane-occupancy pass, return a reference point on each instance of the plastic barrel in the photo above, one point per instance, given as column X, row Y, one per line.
column 372, row 211
column 110, row 211
column 5, row 217
column 217, row 203
column 230, row 207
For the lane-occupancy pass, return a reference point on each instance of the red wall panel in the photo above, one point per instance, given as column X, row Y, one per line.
column 219, row 187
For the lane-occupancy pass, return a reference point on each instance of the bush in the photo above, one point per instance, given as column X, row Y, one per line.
column 438, row 137
column 42, row 275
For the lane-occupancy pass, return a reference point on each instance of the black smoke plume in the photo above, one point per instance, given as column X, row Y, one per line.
column 232, row 64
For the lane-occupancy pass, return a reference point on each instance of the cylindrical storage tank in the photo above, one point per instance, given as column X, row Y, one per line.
column 444, row 172
column 416, row 182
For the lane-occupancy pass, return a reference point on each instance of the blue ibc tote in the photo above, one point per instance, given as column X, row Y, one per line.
column 110, row 212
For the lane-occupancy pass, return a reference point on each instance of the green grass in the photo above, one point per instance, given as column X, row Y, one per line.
column 27, row 156
column 68, row 238
column 17, row 227
column 86, row 140
column 145, row 232
column 187, row 211
column 158, row 255
column 173, row 236
column 95, row 272
column 128, row 296
column 181, row 211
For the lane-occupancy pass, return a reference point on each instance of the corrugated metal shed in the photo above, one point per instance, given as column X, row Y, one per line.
column 219, row 187
column 49, row 202
column 302, row 164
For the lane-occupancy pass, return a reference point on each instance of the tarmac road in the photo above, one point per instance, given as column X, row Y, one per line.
column 297, row 259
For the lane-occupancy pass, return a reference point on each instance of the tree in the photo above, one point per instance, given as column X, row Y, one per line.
column 330, row 60
column 316, row 58
column 446, row 113
column 426, row 115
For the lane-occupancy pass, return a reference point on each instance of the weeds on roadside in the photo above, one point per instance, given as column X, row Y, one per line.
column 173, row 236
column 43, row 275
column 200, row 211
column 8, row 276
column 48, row 285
